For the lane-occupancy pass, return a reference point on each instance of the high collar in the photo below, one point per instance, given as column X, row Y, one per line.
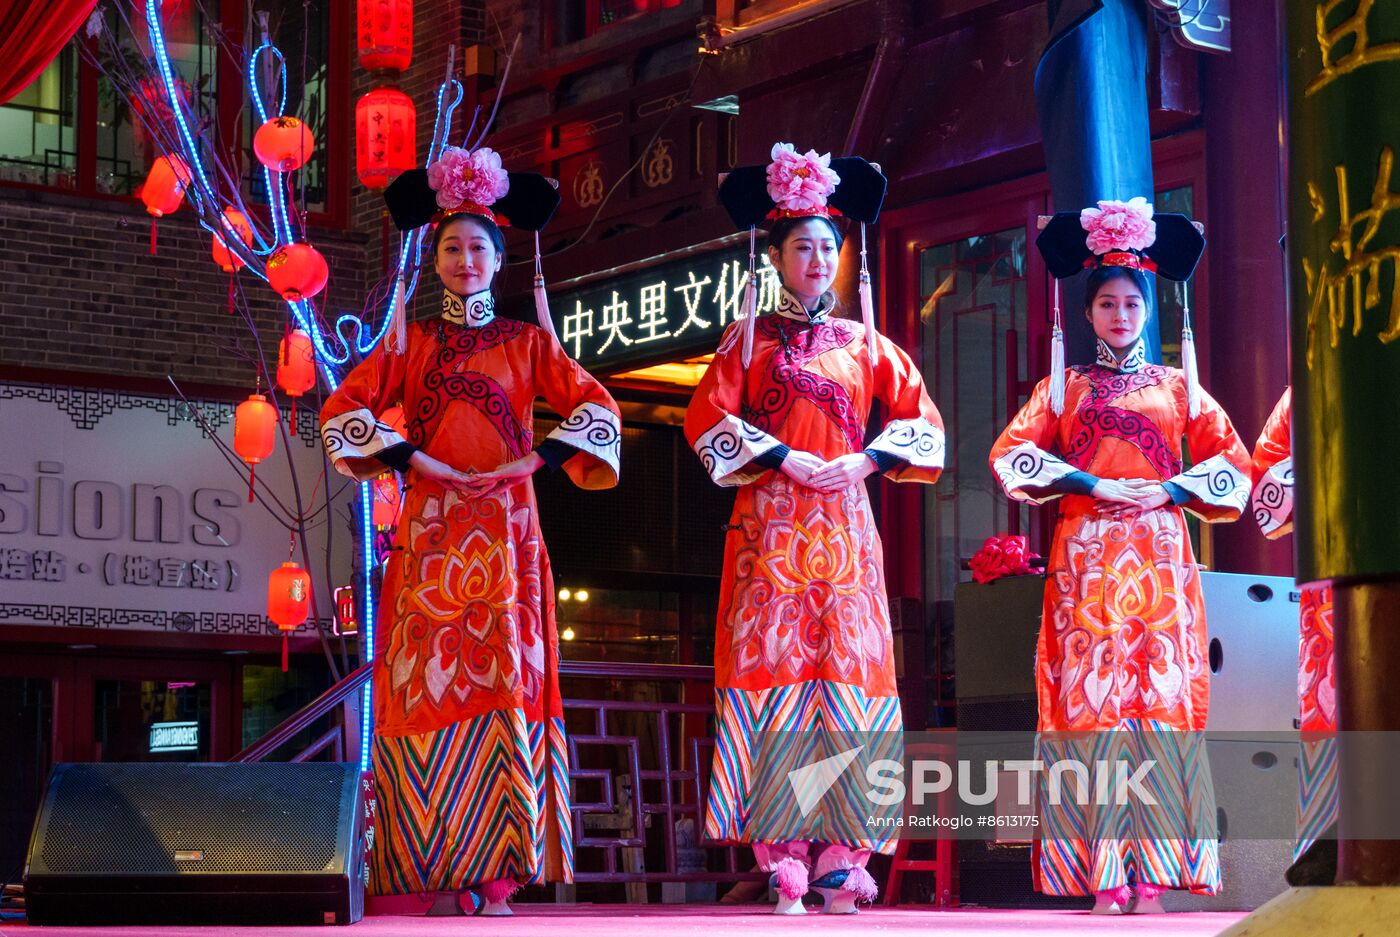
column 472, row 311
column 1134, row 360
column 790, row 307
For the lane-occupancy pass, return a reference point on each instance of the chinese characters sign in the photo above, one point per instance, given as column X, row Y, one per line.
column 1344, row 268
column 116, row 511
column 660, row 313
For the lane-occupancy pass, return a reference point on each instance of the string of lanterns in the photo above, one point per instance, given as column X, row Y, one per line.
column 386, row 123
column 386, row 134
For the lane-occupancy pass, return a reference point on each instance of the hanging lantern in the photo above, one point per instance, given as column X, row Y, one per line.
column 296, row 369
column 296, row 363
column 385, row 131
column 297, row 271
column 288, row 600
column 283, row 144
column 254, row 426
column 164, row 189
column 385, row 34
column 165, row 185
column 385, row 510
column 234, row 223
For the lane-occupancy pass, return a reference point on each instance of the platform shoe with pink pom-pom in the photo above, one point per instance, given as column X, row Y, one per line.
column 790, row 878
column 841, row 889
column 494, row 897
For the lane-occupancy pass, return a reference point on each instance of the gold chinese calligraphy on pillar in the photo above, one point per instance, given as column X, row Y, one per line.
column 1344, row 269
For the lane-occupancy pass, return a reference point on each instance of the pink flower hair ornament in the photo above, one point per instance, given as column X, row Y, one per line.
column 1119, row 226
column 470, row 181
column 800, row 183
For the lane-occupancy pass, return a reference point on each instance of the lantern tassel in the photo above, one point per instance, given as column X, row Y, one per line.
column 1188, row 359
column 153, row 236
column 252, row 476
column 867, row 305
column 230, row 293
column 541, row 296
column 750, row 302
column 284, row 652
column 1057, row 360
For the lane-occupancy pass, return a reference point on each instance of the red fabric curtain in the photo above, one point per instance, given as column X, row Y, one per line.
column 32, row 32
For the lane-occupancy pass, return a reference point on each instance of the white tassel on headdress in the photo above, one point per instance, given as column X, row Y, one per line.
column 1188, row 357
column 541, row 297
column 867, row 304
column 750, row 303
column 1057, row 360
column 396, row 335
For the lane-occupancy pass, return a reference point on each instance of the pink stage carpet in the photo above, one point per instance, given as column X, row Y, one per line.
column 709, row 920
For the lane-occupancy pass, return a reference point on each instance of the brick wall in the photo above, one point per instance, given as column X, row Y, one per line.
column 81, row 292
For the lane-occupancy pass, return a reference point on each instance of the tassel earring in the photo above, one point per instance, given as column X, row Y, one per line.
column 867, row 304
column 1188, row 357
column 750, row 300
column 1057, row 359
column 541, row 297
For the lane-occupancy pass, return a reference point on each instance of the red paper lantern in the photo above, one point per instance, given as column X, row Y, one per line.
column 234, row 223
column 165, row 185
column 385, row 510
column 385, row 130
column 288, row 600
column 254, row 433
column 385, row 31
column 297, row 271
column 296, row 363
column 283, row 143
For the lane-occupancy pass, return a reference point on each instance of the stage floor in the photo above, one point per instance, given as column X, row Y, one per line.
column 677, row 920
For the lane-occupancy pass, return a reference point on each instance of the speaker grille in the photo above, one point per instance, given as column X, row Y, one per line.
column 240, row 818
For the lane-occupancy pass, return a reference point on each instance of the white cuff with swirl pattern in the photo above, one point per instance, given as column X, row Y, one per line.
column 357, row 435
column 1215, row 482
column 1273, row 500
column 729, row 446
column 916, row 442
column 1030, row 467
column 593, row 429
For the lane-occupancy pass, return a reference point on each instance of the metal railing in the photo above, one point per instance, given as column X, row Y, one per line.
column 655, row 778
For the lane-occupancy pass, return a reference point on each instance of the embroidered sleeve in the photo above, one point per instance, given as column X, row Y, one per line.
column 732, row 451
column 1273, row 471
column 1021, row 459
column 1273, row 500
column 357, row 442
column 728, row 447
column 912, row 439
column 1218, row 482
column 592, row 424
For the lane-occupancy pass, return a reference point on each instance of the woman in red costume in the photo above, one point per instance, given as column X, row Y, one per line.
column 469, row 755
column 1122, row 653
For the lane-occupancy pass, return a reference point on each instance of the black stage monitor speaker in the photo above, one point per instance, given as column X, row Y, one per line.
column 198, row 844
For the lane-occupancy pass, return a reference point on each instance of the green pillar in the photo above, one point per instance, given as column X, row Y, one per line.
column 1343, row 62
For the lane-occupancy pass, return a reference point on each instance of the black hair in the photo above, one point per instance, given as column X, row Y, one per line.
column 493, row 230
column 1101, row 275
column 782, row 230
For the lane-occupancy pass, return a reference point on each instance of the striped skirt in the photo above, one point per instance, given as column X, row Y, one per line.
column 1113, row 840
column 477, row 801
column 764, row 735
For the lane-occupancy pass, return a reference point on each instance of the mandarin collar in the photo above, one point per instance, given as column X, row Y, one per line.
column 1135, row 360
column 472, row 311
column 790, row 307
